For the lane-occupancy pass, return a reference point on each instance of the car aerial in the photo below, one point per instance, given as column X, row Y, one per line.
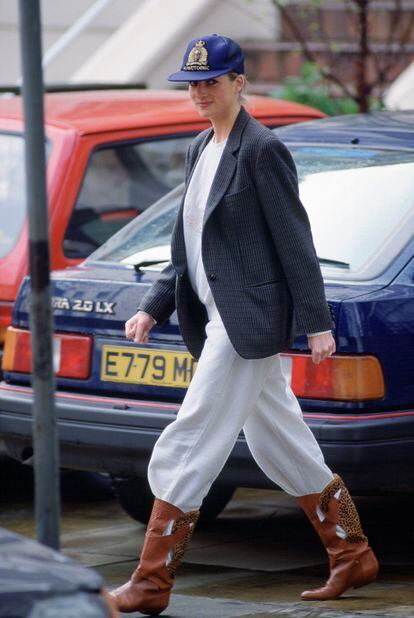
column 110, row 154
column 38, row 581
column 114, row 397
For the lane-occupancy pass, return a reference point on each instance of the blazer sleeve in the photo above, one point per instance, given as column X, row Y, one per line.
column 159, row 301
column 288, row 223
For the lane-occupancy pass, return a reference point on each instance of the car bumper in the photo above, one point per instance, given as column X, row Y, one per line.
column 373, row 452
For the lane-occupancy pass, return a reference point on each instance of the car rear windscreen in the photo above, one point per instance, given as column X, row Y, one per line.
column 360, row 203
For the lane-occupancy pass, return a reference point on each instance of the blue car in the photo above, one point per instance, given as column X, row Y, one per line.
column 114, row 397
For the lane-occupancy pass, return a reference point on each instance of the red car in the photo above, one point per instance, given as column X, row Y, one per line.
column 110, row 154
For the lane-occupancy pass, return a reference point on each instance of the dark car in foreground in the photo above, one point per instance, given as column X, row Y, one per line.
column 356, row 177
column 38, row 582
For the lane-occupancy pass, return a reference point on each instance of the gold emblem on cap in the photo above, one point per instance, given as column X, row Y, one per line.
column 197, row 58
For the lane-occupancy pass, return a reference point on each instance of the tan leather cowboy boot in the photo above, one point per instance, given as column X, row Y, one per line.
column 335, row 518
column 168, row 534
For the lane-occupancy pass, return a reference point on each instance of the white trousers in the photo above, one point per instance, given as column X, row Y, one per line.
column 229, row 393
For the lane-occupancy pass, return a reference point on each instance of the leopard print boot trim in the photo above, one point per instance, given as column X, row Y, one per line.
column 348, row 515
column 189, row 520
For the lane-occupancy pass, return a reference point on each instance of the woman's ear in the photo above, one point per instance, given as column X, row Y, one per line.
column 241, row 82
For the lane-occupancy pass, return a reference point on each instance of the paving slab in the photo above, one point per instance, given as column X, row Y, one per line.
column 182, row 606
column 389, row 592
column 299, row 612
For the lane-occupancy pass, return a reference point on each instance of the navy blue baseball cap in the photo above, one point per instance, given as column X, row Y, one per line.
column 209, row 56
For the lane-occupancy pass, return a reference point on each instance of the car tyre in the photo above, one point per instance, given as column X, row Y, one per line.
column 136, row 498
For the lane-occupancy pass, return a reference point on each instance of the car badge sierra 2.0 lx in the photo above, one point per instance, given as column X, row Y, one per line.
column 83, row 304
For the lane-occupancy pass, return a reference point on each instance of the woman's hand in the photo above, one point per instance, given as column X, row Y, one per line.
column 322, row 346
column 138, row 327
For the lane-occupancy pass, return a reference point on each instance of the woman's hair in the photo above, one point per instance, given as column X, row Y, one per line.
column 232, row 76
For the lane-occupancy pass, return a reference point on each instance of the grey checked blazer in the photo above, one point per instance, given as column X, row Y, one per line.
column 257, row 251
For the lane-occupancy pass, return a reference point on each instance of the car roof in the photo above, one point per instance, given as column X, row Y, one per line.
column 389, row 130
column 106, row 110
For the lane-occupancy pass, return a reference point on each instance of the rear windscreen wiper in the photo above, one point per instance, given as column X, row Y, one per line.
column 145, row 263
column 333, row 262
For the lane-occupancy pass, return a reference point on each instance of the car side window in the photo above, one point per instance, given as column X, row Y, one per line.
column 120, row 182
column 12, row 191
column 13, row 211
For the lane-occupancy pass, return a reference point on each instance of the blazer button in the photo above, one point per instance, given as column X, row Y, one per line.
column 212, row 276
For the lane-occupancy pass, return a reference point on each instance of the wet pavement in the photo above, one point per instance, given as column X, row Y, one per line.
column 252, row 562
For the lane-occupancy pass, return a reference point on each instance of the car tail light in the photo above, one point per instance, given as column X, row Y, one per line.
column 341, row 378
column 6, row 310
column 71, row 354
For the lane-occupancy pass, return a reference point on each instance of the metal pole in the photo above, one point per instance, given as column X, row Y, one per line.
column 47, row 505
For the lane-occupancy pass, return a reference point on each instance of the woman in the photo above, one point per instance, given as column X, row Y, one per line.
column 243, row 277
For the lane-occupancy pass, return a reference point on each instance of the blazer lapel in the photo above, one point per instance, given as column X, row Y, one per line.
column 221, row 181
column 227, row 164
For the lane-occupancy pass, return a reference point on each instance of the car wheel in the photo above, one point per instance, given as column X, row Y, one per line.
column 136, row 498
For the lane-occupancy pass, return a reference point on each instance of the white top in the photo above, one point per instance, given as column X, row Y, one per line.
column 193, row 215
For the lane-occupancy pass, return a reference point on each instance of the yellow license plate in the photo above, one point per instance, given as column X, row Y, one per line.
column 146, row 366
